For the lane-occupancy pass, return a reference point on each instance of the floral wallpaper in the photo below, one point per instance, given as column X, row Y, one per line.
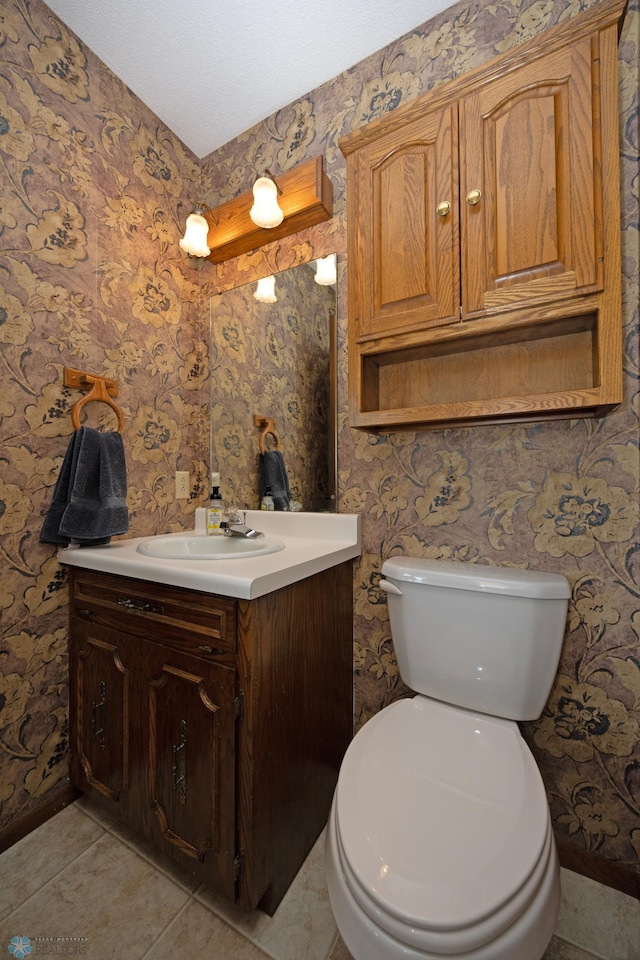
column 93, row 193
column 90, row 276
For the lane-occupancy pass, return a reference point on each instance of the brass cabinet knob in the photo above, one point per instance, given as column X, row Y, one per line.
column 473, row 197
column 443, row 208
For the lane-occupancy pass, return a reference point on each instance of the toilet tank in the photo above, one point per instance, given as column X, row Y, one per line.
column 485, row 638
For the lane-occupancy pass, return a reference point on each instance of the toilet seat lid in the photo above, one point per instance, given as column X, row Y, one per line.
column 442, row 813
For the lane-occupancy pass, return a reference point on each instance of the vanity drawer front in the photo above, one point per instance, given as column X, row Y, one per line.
column 197, row 623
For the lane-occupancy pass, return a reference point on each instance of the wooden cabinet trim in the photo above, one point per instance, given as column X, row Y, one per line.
column 597, row 17
column 557, row 95
column 103, row 727
column 199, row 624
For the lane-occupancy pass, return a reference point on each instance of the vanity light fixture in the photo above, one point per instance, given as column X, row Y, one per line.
column 266, row 211
column 194, row 241
column 326, row 270
column 304, row 195
column 265, row 291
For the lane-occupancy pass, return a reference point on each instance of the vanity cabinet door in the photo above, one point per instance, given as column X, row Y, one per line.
column 404, row 227
column 100, row 702
column 191, row 769
column 528, row 168
column 153, row 700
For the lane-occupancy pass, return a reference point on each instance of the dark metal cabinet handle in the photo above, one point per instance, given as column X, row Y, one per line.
column 179, row 764
column 98, row 732
column 207, row 649
column 140, row 606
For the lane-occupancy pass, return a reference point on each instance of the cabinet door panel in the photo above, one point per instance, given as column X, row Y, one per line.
column 407, row 272
column 526, row 144
column 100, row 713
column 191, row 760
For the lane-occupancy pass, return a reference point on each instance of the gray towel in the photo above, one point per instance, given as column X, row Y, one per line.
column 89, row 500
column 273, row 473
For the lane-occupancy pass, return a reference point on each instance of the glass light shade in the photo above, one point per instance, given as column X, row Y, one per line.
column 265, row 292
column 265, row 211
column 194, row 241
column 326, row 270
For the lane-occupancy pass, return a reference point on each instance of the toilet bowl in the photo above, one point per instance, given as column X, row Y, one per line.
column 439, row 844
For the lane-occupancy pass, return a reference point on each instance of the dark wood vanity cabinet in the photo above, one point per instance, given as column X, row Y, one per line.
column 214, row 727
column 484, row 240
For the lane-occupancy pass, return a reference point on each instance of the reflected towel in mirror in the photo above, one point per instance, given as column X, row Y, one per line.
column 273, row 473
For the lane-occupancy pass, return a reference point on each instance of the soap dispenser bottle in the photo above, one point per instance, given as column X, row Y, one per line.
column 215, row 508
column 267, row 502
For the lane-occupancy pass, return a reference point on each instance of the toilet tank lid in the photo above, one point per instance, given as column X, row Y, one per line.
column 462, row 575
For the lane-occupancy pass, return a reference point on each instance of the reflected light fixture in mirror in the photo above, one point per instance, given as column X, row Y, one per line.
column 326, row 270
column 194, row 241
column 266, row 211
column 265, row 291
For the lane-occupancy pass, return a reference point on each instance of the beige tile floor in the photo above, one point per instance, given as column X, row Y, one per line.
column 83, row 875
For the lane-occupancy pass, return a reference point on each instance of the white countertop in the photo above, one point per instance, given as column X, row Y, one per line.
column 313, row 542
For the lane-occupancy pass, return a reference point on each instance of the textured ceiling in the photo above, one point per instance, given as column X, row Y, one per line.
column 211, row 69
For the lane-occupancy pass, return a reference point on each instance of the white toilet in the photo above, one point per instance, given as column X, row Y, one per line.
column 439, row 842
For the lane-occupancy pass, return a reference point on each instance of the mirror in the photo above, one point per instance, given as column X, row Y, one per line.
column 276, row 360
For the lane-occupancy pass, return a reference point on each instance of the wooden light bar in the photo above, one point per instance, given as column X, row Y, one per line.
column 305, row 198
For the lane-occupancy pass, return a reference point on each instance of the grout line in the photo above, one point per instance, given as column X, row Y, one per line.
column 570, row 943
column 167, row 928
column 158, row 867
column 147, row 857
column 132, row 845
column 236, row 925
column 51, row 879
column 106, row 833
column 96, row 819
column 333, row 945
column 219, row 918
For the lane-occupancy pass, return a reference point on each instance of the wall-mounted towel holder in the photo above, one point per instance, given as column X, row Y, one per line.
column 268, row 426
column 98, row 388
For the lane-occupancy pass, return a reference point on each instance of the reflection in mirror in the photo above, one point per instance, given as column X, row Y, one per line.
column 275, row 360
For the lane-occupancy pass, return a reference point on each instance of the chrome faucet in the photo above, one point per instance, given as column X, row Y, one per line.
column 234, row 526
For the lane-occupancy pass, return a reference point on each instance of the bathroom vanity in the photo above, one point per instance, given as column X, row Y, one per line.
column 214, row 725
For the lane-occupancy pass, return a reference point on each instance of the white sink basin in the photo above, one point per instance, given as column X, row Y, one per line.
column 178, row 546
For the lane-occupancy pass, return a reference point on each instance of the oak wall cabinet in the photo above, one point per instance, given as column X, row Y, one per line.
column 214, row 727
column 484, row 241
